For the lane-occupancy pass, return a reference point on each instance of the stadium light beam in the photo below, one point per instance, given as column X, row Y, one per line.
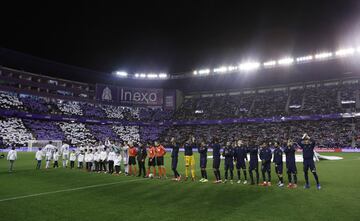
column 222, row 69
column 249, row 66
column 345, row 52
column 232, row 68
column 152, row 76
column 269, row 63
column 162, row 75
column 286, row 61
column 121, row 73
column 304, row 58
column 204, row 71
column 323, row 55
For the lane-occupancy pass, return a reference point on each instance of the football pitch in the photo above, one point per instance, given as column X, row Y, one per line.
column 64, row 194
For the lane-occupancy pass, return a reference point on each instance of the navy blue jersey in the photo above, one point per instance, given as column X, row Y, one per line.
column 290, row 154
column 265, row 154
column 188, row 149
column 278, row 156
column 216, row 150
column 175, row 150
column 240, row 154
column 203, row 151
column 253, row 154
column 307, row 149
column 228, row 153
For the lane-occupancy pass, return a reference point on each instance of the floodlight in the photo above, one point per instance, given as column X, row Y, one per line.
column 286, row 61
column 345, row 52
column 232, row 68
column 162, row 75
column 323, row 55
column 269, row 63
column 195, row 72
column 304, row 58
column 121, row 73
column 143, row 75
column 248, row 66
column 221, row 69
column 204, row 71
column 152, row 75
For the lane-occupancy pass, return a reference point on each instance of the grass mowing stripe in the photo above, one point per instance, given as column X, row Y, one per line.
column 67, row 190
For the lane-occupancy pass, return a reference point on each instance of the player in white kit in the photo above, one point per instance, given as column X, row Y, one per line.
column 65, row 149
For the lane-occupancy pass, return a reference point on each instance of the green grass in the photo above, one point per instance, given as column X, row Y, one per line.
column 143, row 199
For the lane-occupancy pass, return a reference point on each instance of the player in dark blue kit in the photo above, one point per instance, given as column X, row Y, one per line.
column 203, row 161
column 216, row 159
column 278, row 161
column 240, row 155
column 307, row 147
column 291, row 169
column 228, row 153
column 265, row 157
column 253, row 163
column 174, row 158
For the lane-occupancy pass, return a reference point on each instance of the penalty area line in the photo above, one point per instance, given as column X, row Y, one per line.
column 67, row 190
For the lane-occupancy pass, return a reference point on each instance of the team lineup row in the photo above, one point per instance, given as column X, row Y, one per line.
column 108, row 158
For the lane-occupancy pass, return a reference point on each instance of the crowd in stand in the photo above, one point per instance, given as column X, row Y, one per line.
column 327, row 133
column 253, row 104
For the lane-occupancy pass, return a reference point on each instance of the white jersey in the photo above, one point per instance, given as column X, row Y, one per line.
column 81, row 157
column 72, row 156
column 117, row 160
column 56, row 156
column 12, row 155
column 111, row 156
column 89, row 157
column 103, row 155
column 49, row 149
column 39, row 155
column 96, row 156
column 65, row 148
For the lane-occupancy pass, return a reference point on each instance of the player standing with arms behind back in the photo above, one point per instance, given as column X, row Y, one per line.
column 240, row 155
column 203, row 161
column 174, row 158
column 278, row 161
column 307, row 147
column 291, row 164
column 216, row 159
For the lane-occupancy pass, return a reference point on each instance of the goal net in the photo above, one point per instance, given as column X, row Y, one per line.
column 35, row 144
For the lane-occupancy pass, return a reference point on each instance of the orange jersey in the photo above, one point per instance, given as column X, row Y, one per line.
column 151, row 152
column 160, row 151
column 132, row 152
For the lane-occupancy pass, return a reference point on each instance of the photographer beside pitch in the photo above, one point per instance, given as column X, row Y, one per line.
column 307, row 145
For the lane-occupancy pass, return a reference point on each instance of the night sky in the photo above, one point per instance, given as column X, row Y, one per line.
column 175, row 37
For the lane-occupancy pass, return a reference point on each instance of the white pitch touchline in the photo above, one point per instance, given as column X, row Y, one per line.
column 66, row 190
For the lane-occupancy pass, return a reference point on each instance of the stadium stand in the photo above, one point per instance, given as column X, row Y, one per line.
column 13, row 132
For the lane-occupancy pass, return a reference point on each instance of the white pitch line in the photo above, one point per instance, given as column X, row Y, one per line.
column 66, row 190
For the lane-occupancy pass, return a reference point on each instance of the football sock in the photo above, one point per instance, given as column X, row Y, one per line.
column 306, row 177
column 289, row 177
column 245, row 174
column 238, row 174
column 295, row 178
column 316, row 177
column 186, row 171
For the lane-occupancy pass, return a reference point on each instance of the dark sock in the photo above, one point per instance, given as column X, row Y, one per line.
column 219, row 174
column 316, row 178
column 263, row 175
column 257, row 176
column 295, row 178
column 245, row 175
column 238, row 174
column 269, row 176
column 306, row 177
column 251, row 176
column 205, row 174
column 231, row 174
column 226, row 174
column 289, row 177
column 216, row 175
column 281, row 179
